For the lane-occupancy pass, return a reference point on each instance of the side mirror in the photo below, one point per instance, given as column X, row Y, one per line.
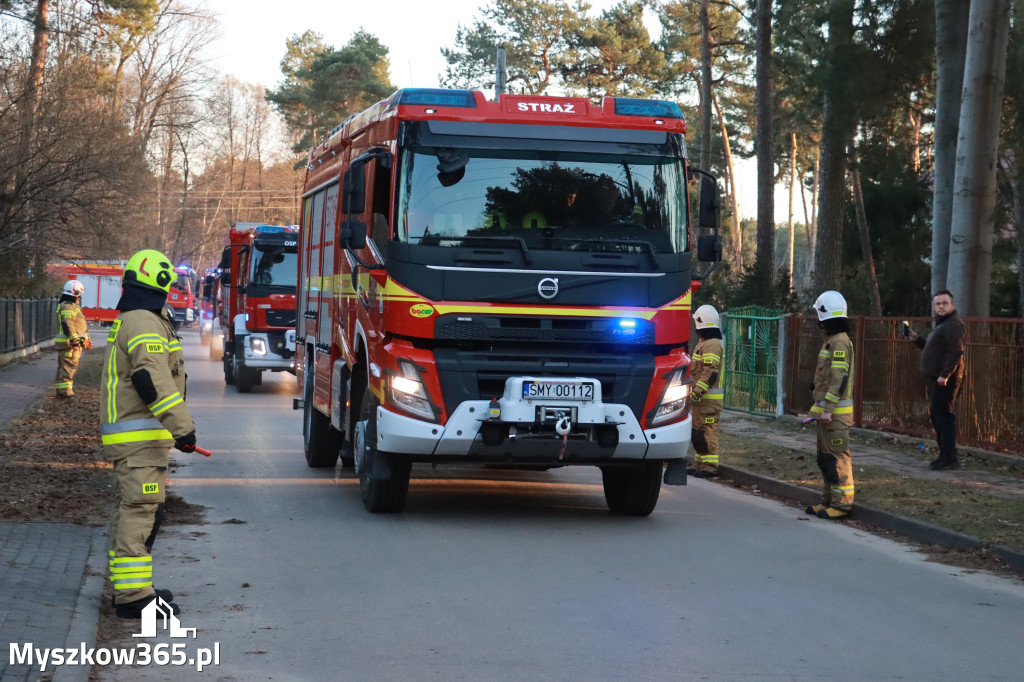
column 710, row 205
column 225, row 277
column 353, row 190
column 353, row 234
column 709, row 248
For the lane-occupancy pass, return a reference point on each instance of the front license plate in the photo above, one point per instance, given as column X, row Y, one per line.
column 558, row 390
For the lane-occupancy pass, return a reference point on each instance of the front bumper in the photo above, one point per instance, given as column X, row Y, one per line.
column 461, row 438
column 259, row 350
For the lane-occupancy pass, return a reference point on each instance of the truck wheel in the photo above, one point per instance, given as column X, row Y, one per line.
column 321, row 441
column 380, row 495
column 245, row 377
column 229, row 370
column 633, row 489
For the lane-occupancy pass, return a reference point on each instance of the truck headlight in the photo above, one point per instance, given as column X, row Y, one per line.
column 675, row 401
column 407, row 392
column 258, row 346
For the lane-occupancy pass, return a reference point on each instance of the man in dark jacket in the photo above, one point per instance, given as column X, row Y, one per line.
column 942, row 362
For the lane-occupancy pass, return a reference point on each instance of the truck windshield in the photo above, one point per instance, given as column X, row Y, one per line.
column 183, row 283
column 548, row 200
column 273, row 265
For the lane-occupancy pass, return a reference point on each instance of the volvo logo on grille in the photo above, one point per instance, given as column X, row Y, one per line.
column 548, row 288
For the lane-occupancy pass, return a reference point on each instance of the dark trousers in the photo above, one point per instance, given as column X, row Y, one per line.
column 941, row 410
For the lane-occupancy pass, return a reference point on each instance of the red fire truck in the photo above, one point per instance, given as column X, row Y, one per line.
column 259, row 268
column 502, row 281
column 181, row 298
column 102, row 280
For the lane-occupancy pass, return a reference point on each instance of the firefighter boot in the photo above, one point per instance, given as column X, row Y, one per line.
column 166, row 595
column 832, row 514
column 134, row 609
column 813, row 510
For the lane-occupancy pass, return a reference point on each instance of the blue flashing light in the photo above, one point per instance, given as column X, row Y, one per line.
column 631, row 324
column 271, row 229
column 437, row 97
column 654, row 108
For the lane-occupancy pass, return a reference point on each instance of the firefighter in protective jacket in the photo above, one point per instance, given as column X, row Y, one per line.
column 833, row 407
column 707, row 392
column 72, row 338
column 143, row 414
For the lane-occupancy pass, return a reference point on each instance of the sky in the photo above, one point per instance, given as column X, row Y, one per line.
column 253, row 34
column 414, row 31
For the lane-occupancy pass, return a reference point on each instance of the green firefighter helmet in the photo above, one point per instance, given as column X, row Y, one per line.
column 150, row 269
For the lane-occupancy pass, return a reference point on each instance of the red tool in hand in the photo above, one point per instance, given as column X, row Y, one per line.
column 203, row 451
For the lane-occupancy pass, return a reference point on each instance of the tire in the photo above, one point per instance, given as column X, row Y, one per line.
column 229, row 370
column 381, row 496
column 632, row 490
column 321, row 441
column 245, row 377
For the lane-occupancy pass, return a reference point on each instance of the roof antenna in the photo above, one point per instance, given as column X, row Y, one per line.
column 499, row 74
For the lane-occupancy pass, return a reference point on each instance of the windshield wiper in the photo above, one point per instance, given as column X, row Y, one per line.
column 518, row 240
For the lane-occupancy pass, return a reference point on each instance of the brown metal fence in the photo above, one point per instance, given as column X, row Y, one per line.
column 889, row 390
column 24, row 322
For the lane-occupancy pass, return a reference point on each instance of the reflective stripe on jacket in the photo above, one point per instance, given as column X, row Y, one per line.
column 73, row 324
column 833, row 378
column 140, row 340
column 706, row 370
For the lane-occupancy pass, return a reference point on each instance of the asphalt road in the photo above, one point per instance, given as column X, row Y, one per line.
column 504, row 575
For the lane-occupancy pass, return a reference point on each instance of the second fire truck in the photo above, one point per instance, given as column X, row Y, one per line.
column 502, row 282
column 257, row 306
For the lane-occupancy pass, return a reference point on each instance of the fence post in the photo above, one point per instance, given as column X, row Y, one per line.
column 780, row 370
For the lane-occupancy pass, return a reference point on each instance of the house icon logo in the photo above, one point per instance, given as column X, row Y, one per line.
column 158, row 609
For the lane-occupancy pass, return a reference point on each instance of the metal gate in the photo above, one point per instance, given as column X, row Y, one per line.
column 752, row 359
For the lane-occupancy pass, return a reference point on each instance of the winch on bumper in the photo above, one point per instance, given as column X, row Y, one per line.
column 537, row 420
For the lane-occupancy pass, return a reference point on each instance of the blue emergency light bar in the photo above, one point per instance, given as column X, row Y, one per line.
column 625, row 106
column 275, row 229
column 437, row 97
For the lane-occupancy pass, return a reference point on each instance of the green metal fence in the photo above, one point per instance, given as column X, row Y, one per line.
column 752, row 359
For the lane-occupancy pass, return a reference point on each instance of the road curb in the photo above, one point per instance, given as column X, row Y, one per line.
column 914, row 529
column 85, row 620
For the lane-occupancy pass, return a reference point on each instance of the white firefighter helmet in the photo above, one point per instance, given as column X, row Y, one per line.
column 829, row 305
column 73, row 288
column 706, row 316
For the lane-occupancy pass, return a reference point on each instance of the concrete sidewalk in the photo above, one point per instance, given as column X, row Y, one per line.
column 51, row 574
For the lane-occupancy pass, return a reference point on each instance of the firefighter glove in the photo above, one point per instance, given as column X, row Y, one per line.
column 186, row 443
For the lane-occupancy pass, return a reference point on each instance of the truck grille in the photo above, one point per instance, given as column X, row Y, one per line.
column 543, row 329
column 281, row 318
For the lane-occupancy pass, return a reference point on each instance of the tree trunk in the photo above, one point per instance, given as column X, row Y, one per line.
column 792, row 201
column 735, row 232
column 838, row 125
column 34, row 86
column 705, row 85
column 951, row 22
column 1018, row 212
column 977, row 147
column 863, row 229
column 765, row 166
